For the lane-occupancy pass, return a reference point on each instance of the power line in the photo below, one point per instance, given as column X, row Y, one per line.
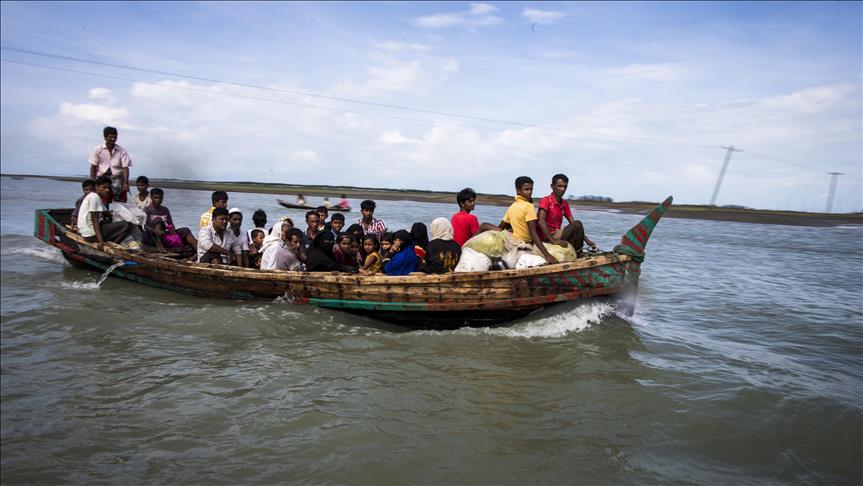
column 336, row 98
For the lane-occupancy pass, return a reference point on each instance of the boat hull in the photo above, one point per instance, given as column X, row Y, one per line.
column 290, row 205
column 417, row 300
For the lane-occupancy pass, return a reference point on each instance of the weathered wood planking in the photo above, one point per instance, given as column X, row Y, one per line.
column 481, row 297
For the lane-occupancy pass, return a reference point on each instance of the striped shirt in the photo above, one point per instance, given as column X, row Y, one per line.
column 376, row 227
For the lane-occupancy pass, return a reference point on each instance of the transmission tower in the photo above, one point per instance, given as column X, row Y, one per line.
column 730, row 149
column 833, row 177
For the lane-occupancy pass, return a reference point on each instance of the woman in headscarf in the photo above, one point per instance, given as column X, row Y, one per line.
column 443, row 253
column 404, row 259
column 321, row 258
column 282, row 250
column 420, row 235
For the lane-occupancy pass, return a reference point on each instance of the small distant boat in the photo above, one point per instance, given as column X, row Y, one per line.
column 418, row 300
column 291, row 205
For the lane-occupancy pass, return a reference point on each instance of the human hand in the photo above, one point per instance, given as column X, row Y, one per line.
column 559, row 243
column 551, row 260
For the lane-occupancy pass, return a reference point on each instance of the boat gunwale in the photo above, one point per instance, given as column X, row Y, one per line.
column 115, row 251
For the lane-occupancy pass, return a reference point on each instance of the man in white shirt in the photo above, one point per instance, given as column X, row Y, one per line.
column 217, row 244
column 112, row 160
column 90, row 216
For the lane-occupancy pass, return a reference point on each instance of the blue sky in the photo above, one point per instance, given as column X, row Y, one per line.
column 631, row 100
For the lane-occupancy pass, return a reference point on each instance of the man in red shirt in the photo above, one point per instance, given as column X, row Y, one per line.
column 464, row 224
column 552, row 209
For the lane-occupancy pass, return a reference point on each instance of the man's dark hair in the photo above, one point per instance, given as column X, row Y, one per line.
column 465, row 195
column 256, row 231
column 558, row 177
column 219, row 212
column 157, row 192
column 259, row 217
column 108, row 130
column 101, row 181
column 338, row 217
column 295, row 232
column 143, row 179
column 323, row 208
column 88, row 183
column 368, row 204
column 218, row 196
column 522, row 180
column 309, row 213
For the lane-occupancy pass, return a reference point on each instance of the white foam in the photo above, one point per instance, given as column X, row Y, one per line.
column 79, row 285
column 576, row 320
column 44, row 253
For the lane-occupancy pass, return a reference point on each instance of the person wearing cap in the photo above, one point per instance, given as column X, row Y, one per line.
column 235, row 219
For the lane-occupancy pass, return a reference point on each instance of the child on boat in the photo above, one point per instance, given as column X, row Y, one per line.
column 386, row 243
column 342, row 250
column 368, row 222
column 337, row 222
column 259, row 219
column 404, row 259
column 323, row 212
column 255, row 245
column 93, row 222
column 465, row 225
column 142, row 199
column 520, row 217
column 321, row 257
column 88, row 186
column 370, row 257
column 156, row 211
column 220, row 200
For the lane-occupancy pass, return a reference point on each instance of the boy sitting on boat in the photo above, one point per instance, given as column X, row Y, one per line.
column 94, row 221
column 520, row 217
column 220, row 200
column 552, row 209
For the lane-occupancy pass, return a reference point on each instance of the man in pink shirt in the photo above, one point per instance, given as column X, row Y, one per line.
column 552, row 209
column 465, row 225
column 112, row 160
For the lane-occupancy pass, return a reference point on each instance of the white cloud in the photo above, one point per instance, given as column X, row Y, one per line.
column 401, row 46
column 98, row 114
column 478, row 15
column 558, row 54
column 649, row 72
column 542, row 17
column 394, row 137
column 101, row 94
column 391, row 75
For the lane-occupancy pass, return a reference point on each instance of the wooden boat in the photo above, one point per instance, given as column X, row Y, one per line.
column 291, row 205
column 418, row 300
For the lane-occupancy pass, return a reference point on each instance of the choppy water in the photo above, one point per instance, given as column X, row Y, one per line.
column 741, row 365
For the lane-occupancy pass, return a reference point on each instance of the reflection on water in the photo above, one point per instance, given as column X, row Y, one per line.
column 742, row 364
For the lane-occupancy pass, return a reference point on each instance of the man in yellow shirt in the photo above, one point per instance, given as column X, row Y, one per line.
column 520, row 217
column 220, row 200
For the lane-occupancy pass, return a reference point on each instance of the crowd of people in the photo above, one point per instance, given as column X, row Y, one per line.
column 366, row 247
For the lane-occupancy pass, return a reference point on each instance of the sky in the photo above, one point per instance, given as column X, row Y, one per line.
column 633, row 101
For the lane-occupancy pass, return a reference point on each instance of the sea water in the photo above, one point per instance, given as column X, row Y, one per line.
column 742, row 364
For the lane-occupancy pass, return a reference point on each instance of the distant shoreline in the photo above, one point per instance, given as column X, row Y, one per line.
column 686, row 211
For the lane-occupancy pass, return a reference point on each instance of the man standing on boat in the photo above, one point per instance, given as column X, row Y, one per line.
column 370, row 224
column 112, row 160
